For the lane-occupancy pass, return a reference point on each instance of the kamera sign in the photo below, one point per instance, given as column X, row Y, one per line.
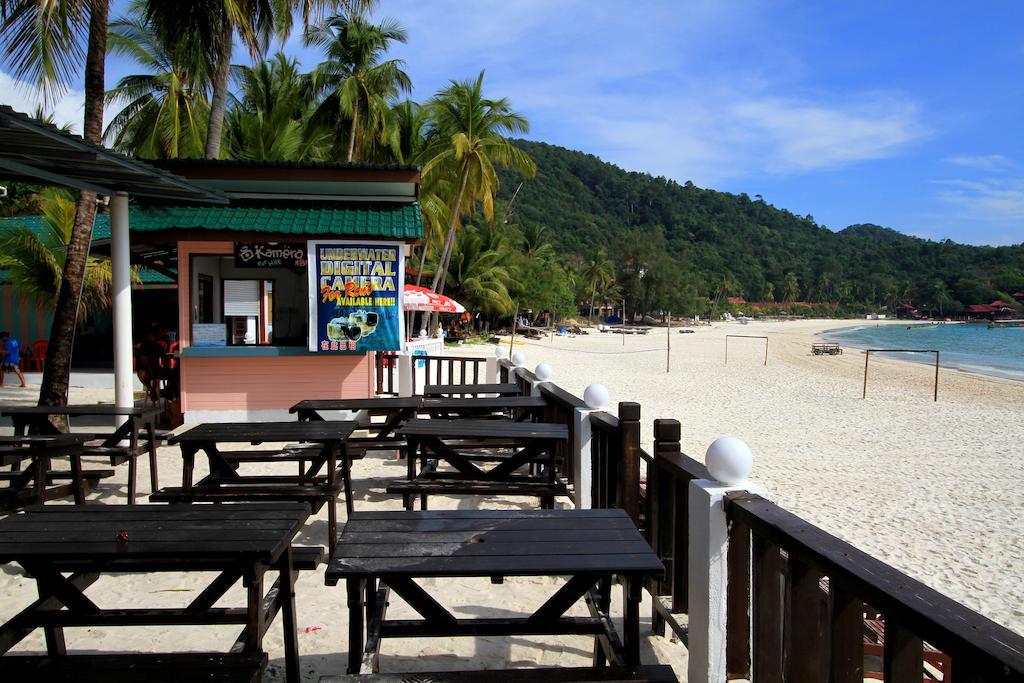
column 269, row 255
column 355, row 296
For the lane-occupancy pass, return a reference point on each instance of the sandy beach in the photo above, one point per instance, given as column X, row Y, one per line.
column 932, row 488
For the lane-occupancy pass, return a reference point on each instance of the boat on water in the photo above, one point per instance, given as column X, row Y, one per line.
column 1001, row 324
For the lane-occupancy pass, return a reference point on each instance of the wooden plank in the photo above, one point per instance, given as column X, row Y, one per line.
column 260, row 432
column 492, row 536
column 442, row 516
column 479, row 429
column 737, row 643
column 487, row 548
column 903, row 661
column 767, row 604
column 847, row 636
column 638, row 674
column 805, row 656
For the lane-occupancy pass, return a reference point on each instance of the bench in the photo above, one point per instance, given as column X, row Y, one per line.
column 151, row 668
column 659, row 673
column 427, row 487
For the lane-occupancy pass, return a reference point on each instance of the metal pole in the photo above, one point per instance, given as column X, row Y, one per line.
column 668, row 344
column 121, row 285
column 623, row 322
column 766, row 352
column 867, row 355
column 936, row 376
column 726, row 349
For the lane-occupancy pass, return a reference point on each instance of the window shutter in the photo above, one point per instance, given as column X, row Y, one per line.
column 242, row 297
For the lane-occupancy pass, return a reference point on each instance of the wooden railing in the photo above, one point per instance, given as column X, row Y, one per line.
column 615, row 460
column 428, row 370
column 667, row 503
column 386, row 367
column 810, row 592
column 561, row 409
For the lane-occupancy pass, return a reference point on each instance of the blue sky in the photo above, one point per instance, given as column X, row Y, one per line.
column 906, row 114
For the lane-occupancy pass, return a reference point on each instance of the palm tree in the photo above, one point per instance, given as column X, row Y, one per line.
column 470, row 142
column 360, row 82
column 211, row 25
column 165, row 112
column 35, row 262
column 536, row 244
column 271, row 120
column 790, row 288
column 599, row 274
column 43, row 43
column 478, row 275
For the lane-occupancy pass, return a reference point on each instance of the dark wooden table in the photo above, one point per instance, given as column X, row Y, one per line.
column 137, row 420
column 383, row 551
column 468, row 446
column 396, row 411
column 439, row 390
column 317, row 480
column 522, row 407
column 31, row 485
column 241, row 542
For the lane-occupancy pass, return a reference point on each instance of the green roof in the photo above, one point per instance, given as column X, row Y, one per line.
column 100, row 231
column 394, row 221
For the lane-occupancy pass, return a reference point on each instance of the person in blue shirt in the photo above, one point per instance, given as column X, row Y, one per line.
column 10, row 357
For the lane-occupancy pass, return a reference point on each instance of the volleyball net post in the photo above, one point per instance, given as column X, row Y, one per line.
column 867, row 358
column 746, row 336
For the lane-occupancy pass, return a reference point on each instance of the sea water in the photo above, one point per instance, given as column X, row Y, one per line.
column 972, row 347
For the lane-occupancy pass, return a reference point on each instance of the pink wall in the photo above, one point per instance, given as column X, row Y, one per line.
column 259, row 382
column 271, row 382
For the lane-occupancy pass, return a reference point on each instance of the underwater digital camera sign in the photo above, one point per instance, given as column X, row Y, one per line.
column 355, row 296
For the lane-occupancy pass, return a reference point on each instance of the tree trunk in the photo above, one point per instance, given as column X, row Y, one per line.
column 593, row 293
column 219, row 100
column 442, row 264
column 352, row 132
column 57, row 368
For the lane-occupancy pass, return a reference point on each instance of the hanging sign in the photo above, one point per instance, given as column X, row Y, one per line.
column 355, row 296
column 270, row 255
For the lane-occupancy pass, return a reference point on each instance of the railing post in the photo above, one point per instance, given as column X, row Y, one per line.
column 629, row 466
column 596, row 398
column 708, row 559
column 661, row 522
column 491, row 370
column 405, row 375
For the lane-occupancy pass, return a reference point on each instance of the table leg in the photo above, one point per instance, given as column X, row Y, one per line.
column 76, row 478
column 604, row 592
column 291, row 638
column 254, row 621
column 188, row 457
column 412, row 446
column 55, row 644
column 154, row 479
column 133, row 456
column 355, row 624
column 41, row 464
column 632, row 593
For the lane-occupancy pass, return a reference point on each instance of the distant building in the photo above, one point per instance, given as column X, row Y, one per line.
column 907, row 312
column 736, row 300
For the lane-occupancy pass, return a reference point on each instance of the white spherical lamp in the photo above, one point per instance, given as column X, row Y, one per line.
column 543, row 372
column 596, row 396
column 500, row 352
column 729, row 460
column 423, row 332
column 519, row 359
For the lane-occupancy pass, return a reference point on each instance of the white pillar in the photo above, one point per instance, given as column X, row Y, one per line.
column 596, row 399
column 491, row 370
column 728, row 458
column 121, row 283
column 405, row 374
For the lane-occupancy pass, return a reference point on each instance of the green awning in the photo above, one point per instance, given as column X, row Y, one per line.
column 392, row 221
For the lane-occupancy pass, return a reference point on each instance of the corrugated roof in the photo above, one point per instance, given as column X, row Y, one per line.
column 100, row 231
column 394, row 221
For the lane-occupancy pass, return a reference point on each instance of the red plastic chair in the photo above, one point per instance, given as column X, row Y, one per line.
column 38, row 356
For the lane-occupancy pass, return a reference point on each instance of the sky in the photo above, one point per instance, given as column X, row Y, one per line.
column 908, row 115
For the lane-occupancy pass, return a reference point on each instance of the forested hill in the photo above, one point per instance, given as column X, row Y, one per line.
column 721, row 243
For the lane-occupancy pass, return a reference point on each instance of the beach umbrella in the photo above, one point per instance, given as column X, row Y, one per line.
column 422, row 299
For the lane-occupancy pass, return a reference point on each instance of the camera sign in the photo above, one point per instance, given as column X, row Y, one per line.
column 355, row 296
column 269, row 255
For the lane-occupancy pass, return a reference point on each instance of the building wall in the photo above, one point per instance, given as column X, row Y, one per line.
column 22, row 317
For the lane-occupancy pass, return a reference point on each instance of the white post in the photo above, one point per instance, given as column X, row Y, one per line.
column 728, row 460
column 596, row 398
column 491, row 371
column 121, row 285
column 405, row 374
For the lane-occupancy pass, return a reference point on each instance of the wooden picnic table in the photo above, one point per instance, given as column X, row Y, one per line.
column 522, row 407
column 459, row 443
column 137, row 420
column 439, row 390
column 240, row 542
column 396, row 411
column 33, row 484
column 383, row 551
column 316, row 483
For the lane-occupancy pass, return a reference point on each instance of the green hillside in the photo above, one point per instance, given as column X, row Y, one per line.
column 723, row 244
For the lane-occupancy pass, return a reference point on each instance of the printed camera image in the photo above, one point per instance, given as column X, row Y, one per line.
column 353, row 328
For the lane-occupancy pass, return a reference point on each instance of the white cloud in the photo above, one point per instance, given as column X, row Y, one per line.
column 23, row 97
column 997, row 202
column 985, row 162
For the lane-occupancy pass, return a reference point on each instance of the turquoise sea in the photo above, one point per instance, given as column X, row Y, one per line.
column 968, row 347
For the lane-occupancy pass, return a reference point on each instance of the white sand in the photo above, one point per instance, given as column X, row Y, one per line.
column 935, row 489
column 931, row 488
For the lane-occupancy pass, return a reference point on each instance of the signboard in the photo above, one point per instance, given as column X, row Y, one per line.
column 355, row 296
column 270, row 255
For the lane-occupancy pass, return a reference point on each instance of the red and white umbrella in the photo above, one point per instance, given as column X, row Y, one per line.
column 422, row 299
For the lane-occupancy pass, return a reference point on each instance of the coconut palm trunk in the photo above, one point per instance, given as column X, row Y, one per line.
column 449, row 241
column 57, row 369
column 593, row 293
column 219, row 100
column 352, row 132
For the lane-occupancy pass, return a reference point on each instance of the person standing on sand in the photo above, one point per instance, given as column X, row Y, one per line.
column 10, row 358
